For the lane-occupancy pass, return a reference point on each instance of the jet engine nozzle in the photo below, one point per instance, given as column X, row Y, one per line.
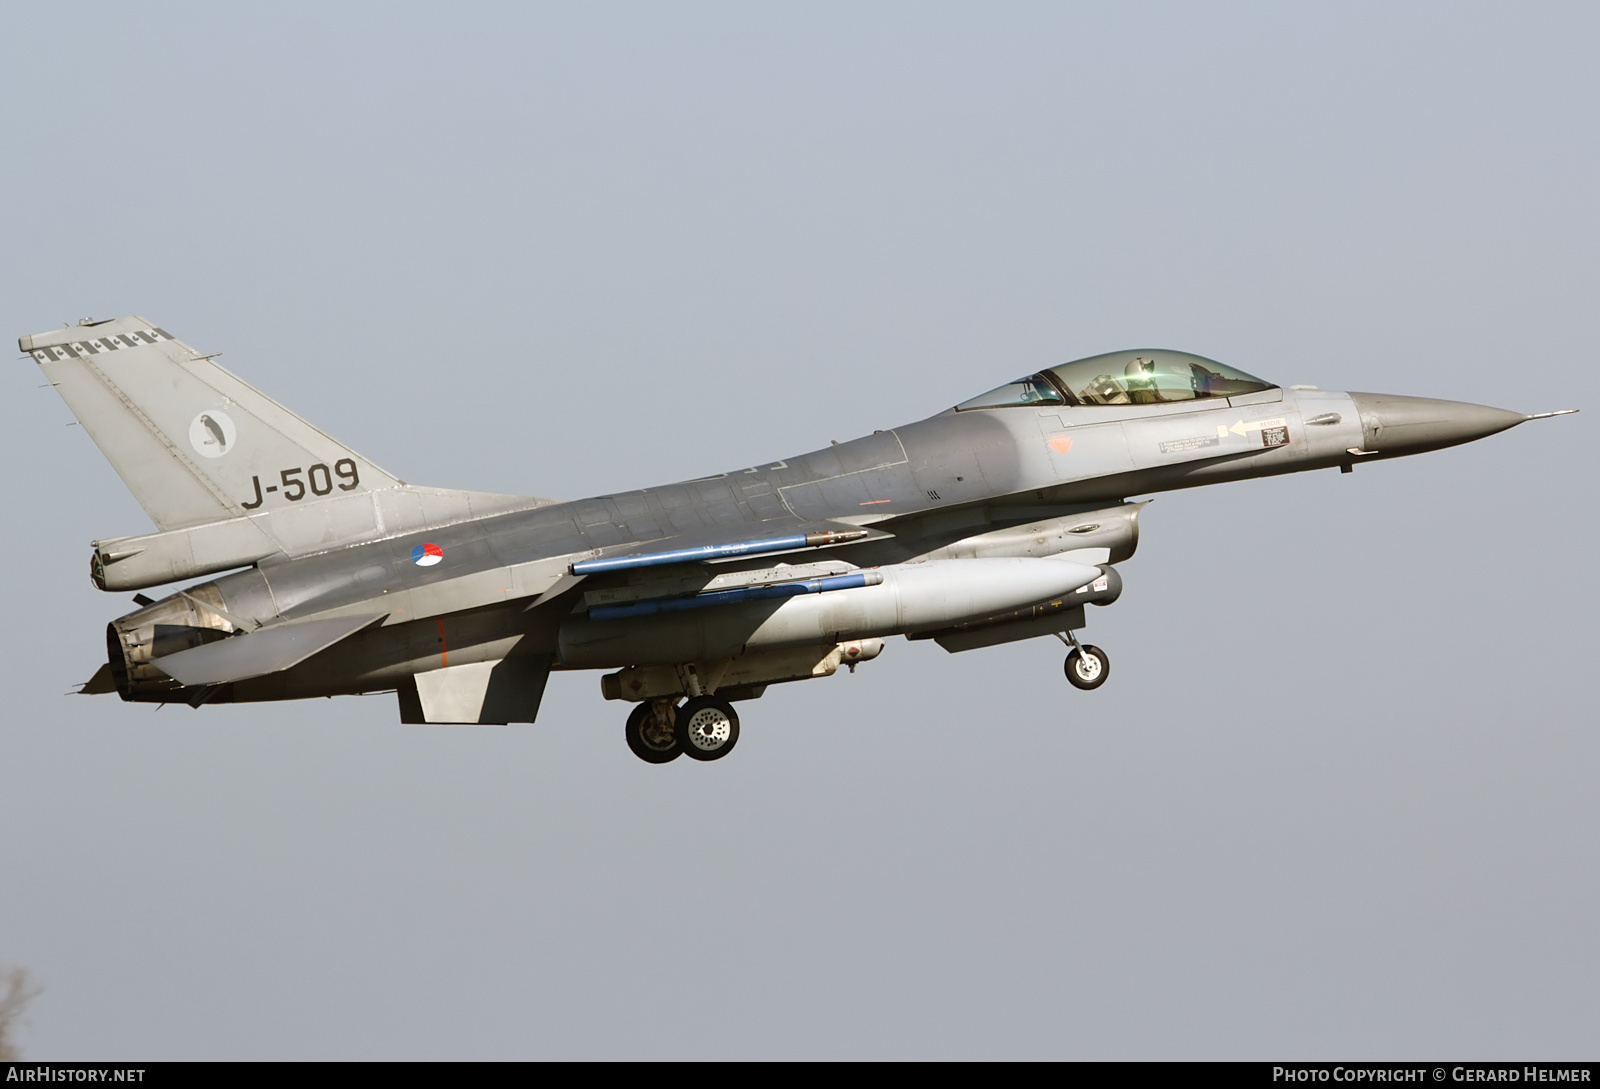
column 136, row 642
column 1394, row 426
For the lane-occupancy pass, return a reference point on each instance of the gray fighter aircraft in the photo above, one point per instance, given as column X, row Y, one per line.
column 996, row 520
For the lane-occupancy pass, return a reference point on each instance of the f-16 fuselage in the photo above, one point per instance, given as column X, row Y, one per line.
column 994, row 521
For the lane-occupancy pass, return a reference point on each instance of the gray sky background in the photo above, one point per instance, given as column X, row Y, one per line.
column 1338, row 797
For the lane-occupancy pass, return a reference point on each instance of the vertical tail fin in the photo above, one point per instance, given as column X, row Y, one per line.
column 192, row 442
column 229, row 476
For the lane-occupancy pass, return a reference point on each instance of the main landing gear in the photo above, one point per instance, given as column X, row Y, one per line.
column 651, row 731
column 708, row 728
column 704, row 728
column 1086, row 667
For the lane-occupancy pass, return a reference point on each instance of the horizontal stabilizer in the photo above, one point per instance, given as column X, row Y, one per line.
column 268, row 650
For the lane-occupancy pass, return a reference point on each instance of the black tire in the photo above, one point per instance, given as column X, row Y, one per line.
column 644, row 746
column 1089, row 670
column 707, row 728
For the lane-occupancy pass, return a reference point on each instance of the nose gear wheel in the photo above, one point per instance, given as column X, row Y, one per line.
column 1087, row 667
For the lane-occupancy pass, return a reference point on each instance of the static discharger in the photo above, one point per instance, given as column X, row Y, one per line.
column 717, row 552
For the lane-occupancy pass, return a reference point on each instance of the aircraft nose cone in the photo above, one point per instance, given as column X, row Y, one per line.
column 1393, row 426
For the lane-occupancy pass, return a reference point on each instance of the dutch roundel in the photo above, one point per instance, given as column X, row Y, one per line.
column 426, row 555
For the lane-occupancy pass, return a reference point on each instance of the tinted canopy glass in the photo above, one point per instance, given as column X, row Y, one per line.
column 1151, row 378
column 1033, row 390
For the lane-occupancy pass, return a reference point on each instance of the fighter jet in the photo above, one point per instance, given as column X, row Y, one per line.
column 999, row 519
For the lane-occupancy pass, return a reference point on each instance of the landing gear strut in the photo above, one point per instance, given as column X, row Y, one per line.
column 1086, row 667
column 652, row 731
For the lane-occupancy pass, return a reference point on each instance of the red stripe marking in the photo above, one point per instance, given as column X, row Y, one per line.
column 444, row 652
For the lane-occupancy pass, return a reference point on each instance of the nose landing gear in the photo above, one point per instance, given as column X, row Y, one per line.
column 1086, row 667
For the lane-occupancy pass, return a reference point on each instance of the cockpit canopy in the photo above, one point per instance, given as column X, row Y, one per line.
column 1123, row 378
